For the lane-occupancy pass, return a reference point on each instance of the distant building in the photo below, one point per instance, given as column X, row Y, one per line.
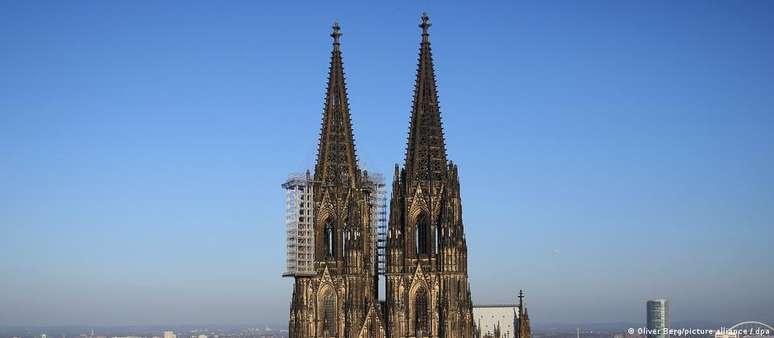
column 491, row 319
column 523, row 328
column 502, row 321
column 658, row 318
column 170, row 334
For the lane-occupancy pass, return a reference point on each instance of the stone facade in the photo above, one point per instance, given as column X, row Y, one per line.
column 340, row 299
column 426, row 254
column 428, row 293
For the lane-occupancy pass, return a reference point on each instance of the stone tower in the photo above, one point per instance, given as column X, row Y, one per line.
column 339, row 299
column 427, row 294
column 523, row 329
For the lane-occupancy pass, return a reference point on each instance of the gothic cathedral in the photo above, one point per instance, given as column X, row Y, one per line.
column 425, row 252
column 340, row 298
column 427, row 258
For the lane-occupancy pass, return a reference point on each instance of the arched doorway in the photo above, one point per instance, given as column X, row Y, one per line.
column 422, row 237
column 421, row 313
column 329, row 327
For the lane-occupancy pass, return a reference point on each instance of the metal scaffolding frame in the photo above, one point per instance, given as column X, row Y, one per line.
column 299, row 225
column 378, row 224
column 299, row 222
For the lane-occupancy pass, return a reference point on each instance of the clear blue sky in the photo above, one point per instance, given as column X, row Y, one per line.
column 609, row 151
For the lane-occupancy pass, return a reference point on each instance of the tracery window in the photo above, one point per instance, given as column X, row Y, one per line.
column 329, row 314
column 421, row 310
column 330, row 239
column 423, row 236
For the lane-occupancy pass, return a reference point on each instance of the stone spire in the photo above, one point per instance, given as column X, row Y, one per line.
column 523, row 330
column 426, row 149
column 336, row 161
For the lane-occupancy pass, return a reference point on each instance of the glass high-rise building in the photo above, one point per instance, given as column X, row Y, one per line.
column 658, row 318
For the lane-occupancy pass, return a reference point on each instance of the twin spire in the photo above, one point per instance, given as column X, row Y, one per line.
column 336, row 161
column 426, row 149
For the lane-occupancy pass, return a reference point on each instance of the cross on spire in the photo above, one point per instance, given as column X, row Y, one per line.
column 336, row 34
column 425, row 25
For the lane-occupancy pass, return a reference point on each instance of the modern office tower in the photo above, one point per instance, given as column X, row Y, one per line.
column 658, row 318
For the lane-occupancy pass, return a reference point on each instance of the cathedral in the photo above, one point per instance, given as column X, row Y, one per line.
column 424, row 251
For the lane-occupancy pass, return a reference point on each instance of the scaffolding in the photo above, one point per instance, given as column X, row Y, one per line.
column 378, row 226
column 299, row 225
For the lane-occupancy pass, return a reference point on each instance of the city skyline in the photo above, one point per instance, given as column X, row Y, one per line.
column 620, row 151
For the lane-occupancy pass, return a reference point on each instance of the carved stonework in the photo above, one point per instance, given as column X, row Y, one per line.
column 426, row 248
column 426, row 253
column 337, row 300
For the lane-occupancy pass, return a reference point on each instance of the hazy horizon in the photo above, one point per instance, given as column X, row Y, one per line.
column 609, row 152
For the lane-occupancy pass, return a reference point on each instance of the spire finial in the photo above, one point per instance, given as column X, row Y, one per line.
column 521, row 303
column 336, row 34
column 425, row 25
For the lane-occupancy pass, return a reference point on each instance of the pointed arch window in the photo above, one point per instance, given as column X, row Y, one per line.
column 329, row 314
column 422, row 238
column 437, row 238
column 345, row 240
column 421, row 311
column 329, row 239
column 375, row 332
